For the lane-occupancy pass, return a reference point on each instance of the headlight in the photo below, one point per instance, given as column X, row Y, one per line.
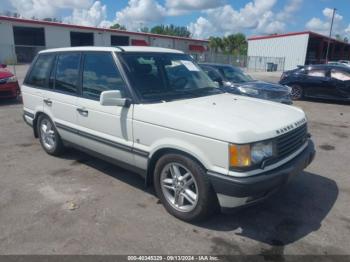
column 261, row 151
column 243, row 156
column 11, row 79
column 248, row 90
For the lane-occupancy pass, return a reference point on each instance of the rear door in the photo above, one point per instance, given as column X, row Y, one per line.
column 35, row 84
column 340, row 83
column 60, row 100
column 104, row 129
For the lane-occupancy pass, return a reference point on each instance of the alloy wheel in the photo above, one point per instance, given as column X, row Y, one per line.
column 179, row 187
column 296, row 93
column 47, row 134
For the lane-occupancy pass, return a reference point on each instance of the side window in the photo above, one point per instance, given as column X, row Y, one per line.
column 52, row 74
column 145, row 72
column 67, row 73
column 340, row 75
column 41, row 70
column 317, row 73
column 101, row 74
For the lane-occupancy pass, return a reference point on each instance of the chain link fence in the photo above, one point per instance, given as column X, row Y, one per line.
column 250, row 63
column 16, row 55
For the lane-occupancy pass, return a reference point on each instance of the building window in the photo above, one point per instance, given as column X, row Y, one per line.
column 81, row 39
column 29, row 36
column 28, row 42
column 117, row 40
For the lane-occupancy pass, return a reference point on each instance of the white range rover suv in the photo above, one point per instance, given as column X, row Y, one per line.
column 155, row 112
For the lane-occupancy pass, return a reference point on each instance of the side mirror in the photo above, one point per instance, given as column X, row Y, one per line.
column 214, row 77
column 218, row 80
column 113, row 98
column 3, row 65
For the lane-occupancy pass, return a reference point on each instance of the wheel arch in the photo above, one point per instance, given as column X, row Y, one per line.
column 161, row 152
column 35, row 122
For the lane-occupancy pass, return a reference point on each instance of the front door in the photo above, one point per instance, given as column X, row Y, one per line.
column 104, row 129
column 317, row 82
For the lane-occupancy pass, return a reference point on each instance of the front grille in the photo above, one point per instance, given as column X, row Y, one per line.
column 287, row 144
column 273, row 94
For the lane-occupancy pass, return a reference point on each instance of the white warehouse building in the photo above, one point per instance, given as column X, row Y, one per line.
column 21, row 39
column 300, row 48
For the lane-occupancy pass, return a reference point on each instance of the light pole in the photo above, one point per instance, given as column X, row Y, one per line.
column 330, row 35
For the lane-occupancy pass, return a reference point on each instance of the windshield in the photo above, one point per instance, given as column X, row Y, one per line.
column 235, row 75
column 166, row 76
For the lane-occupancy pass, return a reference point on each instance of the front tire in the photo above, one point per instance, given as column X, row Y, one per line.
column 49, row 138
column 183, row 188
column 297, row 92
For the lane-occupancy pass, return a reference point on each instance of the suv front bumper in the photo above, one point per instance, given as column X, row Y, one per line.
column 237, row 191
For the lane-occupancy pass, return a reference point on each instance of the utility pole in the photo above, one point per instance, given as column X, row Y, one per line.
column 330, row 35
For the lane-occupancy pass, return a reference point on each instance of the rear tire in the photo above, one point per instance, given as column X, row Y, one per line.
column 297, row 92
column 183, row 188
column 49, row 138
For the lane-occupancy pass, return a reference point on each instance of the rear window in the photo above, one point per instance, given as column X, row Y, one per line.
column 67, row 73
column 40, row 70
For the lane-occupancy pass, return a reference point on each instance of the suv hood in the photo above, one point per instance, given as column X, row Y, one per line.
column 224, row 117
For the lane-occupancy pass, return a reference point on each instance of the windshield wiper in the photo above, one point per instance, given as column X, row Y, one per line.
column 203, row 91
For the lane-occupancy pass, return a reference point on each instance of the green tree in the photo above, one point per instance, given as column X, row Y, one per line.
column 236, row 44
column 338, row 37
column 144, row 29
column 216, row 44
column 173, row 30
column 118, row 26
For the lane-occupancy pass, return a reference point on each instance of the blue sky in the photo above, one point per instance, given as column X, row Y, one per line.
column 202, row 17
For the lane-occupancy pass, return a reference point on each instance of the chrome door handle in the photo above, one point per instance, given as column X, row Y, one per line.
column 48, row 102
column 83, row 112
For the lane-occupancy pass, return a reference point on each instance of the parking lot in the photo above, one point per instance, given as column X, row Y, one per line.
column 76, row 204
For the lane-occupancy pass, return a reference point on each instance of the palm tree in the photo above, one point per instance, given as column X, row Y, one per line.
column 216, row 44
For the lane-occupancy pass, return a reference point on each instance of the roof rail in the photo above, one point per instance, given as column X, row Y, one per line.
column 121, row 49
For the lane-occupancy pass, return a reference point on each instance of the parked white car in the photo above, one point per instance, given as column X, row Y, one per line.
column 154, row 111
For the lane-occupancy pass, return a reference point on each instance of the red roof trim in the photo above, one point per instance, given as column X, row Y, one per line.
column 29, row 21
column 278, row 35
column 293, row 34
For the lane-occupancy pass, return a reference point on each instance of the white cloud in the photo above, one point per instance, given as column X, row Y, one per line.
column 291, row 7
column 328, row 12
column 96, row 15
column 256, row 16
column 202, row 28
column 347, row 30
column 179, row 7
column 46, row 8
column 140, row 13
column 323, row 25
